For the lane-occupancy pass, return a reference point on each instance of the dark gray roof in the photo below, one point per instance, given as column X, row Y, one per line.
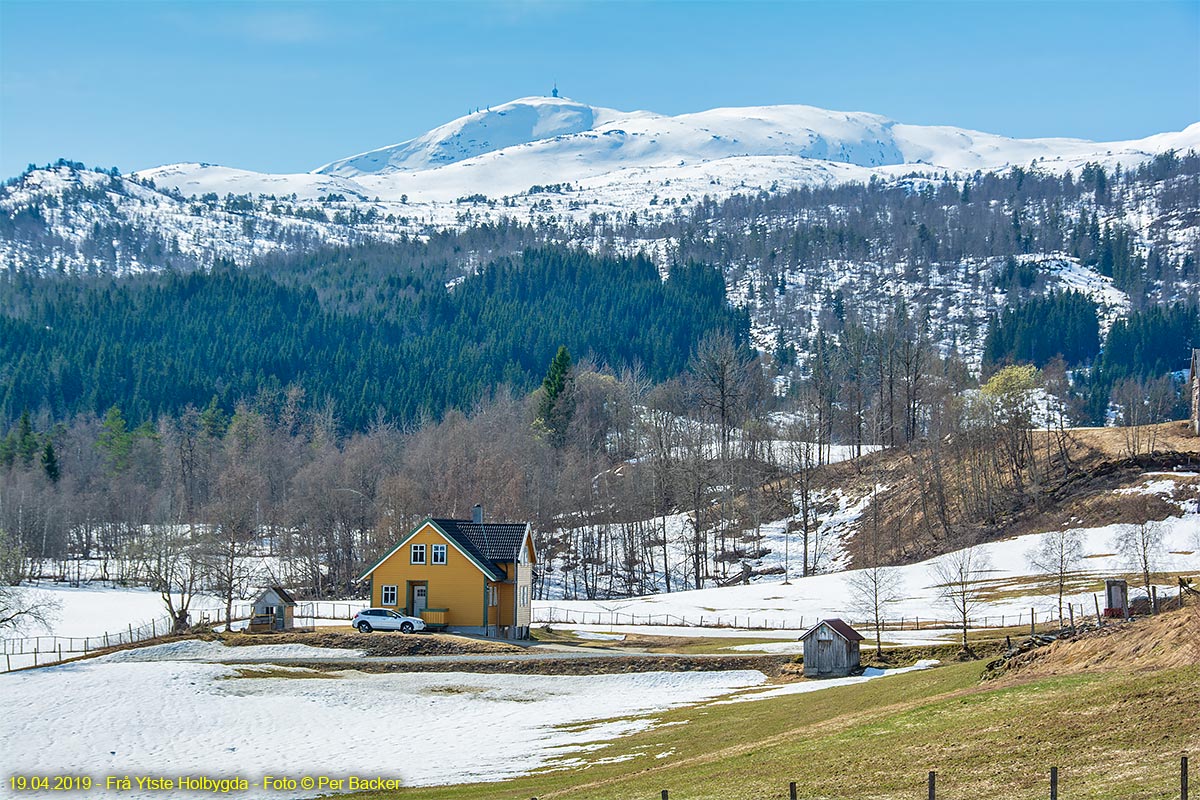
column 281, row 593
column 284, row 596
column 842, row 629
column 493, row 543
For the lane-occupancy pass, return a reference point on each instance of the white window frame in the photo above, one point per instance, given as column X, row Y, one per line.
column 412, row 554
column 493, row 595
column 438, row 550
column 383, row 595
column 524, row 596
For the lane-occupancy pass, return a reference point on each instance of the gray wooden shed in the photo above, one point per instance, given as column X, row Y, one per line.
column 830, row 649
column 274, row 610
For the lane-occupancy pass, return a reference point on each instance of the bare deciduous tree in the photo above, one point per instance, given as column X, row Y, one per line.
column 959, row 586
column 1058, row 556
column 172, row 559
column 872, row 591
column 1140, row 547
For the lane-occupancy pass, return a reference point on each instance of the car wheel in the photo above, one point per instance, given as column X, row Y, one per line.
column 406, row 627
column 364, row 627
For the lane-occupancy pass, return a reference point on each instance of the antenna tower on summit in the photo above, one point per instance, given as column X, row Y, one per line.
column 554, row 93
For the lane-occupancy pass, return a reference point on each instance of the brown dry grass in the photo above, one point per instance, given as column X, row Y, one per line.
column 1166, row 641
column 378, row 643
column 1086, row 495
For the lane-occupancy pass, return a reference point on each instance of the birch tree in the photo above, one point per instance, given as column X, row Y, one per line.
column 1140, row 548
column 872, row 591
column 1057, row 557
column 958, row 577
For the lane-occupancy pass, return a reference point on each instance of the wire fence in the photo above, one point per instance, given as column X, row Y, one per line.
column 794, row 789
column 36, row 651
column 550, row 615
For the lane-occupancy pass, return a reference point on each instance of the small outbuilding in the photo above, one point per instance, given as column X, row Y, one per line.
column 830, row 649
column 274, row 610
column 1116, row 598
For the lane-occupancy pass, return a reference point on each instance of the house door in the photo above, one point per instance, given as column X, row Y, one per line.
column 824, row 656
column 420, row 598
column 279, row 618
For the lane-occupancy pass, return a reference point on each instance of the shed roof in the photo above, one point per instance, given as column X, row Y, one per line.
column 840, row 627
column 280, row 592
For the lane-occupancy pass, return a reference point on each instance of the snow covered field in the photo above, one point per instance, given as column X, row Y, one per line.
column 128, row 710
column 166, row 716
column 96, row 609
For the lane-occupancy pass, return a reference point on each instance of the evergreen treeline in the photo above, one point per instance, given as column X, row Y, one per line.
column 1151, row 343
column 156, row 345
column 1037, row 331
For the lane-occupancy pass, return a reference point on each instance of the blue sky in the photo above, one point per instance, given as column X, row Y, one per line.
column 288, row 86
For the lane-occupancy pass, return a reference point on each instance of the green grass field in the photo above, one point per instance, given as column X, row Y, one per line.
column 1114, row 736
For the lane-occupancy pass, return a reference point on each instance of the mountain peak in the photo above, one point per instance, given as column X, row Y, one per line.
column 517, row 122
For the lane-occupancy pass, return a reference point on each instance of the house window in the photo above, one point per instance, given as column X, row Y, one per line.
column 524, row 596
column 493, row 595
column 439, row 554
column 417, row 555
column 387, row 596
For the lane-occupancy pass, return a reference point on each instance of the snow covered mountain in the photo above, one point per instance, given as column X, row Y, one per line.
column 628, row 157
column 638, row 182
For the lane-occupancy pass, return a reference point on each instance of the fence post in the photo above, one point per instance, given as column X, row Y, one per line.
column 792, row 791
column 8, row 668
column 1032, row 622
column 131, row 633
column 932, row 785
column 1054, row 783
column 1071, row 609
column 665, row 794
column 1099, row 619
column 1183, row 778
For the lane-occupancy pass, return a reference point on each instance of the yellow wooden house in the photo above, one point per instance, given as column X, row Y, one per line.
column 467, row 576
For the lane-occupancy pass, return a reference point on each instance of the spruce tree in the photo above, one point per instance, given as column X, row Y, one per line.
column 115, row 440
column 26, row 441
column 555, row 409
column 50, row 462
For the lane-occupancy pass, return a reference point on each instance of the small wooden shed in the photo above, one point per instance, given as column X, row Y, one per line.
column 830, row 649
column 274, row 610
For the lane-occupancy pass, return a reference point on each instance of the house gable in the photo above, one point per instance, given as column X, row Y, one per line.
column 527, row 546
column 489, row 572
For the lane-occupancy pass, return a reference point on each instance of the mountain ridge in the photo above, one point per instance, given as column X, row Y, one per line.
column 516, row 146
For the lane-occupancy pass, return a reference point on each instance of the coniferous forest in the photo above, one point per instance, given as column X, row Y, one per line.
column 154, row 345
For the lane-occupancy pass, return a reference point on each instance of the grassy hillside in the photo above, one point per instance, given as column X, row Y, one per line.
column 1115, row 733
